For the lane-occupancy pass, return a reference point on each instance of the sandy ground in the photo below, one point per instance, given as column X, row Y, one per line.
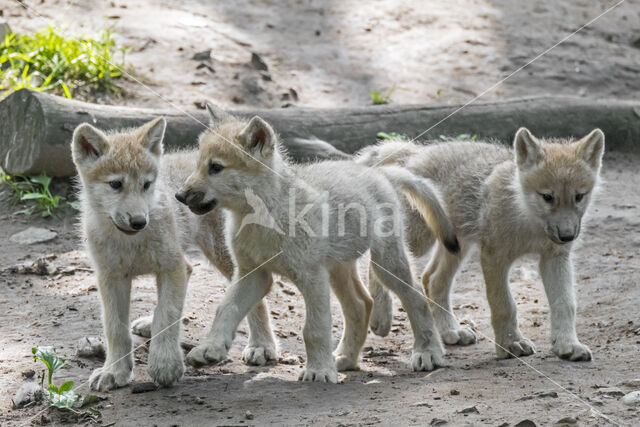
column 60, row 309
column 331, row 53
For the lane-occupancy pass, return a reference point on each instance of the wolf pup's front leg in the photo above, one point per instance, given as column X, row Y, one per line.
column 165, row 356
column 115, row 290
column 240, row 298
column 557, row 277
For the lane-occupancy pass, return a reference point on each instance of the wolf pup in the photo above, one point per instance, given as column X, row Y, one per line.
column 241, row 168
column 511, row 203
column 133, row 226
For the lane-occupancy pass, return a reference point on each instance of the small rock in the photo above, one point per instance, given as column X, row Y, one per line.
column 205, row 55
column 199, row 400
column 632, row 399
column 438, row 422
column 567, row 420
column 610, row 392
column 526, row 423
column 454, row 392
column 423, row 404
column 28, row 374
column 90, row 347
column 635, row 383
column 248, row 415
column 258, row 63
column 28, row 393
column 33, row 235
column 470, row 410
column 143, row 387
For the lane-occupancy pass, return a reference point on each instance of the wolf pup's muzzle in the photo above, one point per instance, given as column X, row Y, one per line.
column 193, row 199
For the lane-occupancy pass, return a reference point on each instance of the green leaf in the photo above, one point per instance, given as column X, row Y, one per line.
column 48, row 356
column 66, row 90
column 65, row 400
column 75, row 205
column 65, row 387
column 43, row 180
column 33, row 196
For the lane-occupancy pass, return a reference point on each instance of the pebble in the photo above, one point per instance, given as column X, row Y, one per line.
column 567, row 420
column 33, row 235
column 635, row 383
column 90, row 347
column 438, row 422
column 205, row 55
column 248, row 415
column 526, row 423
column 632, row 399
column 258, row 63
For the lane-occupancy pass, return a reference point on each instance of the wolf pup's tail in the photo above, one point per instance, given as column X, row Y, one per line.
column 422, row 196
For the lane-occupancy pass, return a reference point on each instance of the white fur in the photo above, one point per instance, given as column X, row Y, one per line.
column 494, row 197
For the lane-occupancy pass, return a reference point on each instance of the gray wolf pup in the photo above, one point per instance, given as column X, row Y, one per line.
column 320, row 208
column 527, row 201
column 133, row 226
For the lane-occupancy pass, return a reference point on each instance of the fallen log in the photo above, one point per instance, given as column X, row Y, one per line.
column 36, row 128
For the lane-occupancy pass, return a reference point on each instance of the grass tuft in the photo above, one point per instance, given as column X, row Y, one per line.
column 35, row 192
column 53, row 62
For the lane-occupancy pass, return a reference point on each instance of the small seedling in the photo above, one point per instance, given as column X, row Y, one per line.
column 62, row 397
column 391, row 135
column 378, row 98
column 35, row 189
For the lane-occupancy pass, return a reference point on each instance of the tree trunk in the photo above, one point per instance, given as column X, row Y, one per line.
column 36, row 128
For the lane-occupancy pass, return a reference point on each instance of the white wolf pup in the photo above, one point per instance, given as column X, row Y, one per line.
column 511, row 203
column 307, row 242
column 134, row 226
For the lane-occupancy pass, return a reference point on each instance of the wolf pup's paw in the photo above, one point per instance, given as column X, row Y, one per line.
column 515, row 348
column 207, row 354
column 105, row 379
column 572, row 350
column 461, row 336
column 165, row 366
column 381, row 313
column 327, row 375
column 142, row 326
column 345, row 363
column 427, row 360
column 259, row 355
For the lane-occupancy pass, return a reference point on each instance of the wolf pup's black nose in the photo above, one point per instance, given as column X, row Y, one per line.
column 566, row 237
column 137, row 222
column 181, row 196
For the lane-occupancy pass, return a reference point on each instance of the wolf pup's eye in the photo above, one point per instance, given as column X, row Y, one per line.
column 116, row 185
column 215, row 168
column 579, row 197
column 146, row 185
column 547, row 197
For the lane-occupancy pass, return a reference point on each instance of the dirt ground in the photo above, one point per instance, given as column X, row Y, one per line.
column 61, row 308
column 331, row 53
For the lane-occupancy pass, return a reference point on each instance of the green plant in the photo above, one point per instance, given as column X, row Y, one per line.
column 50, row 61
column 378, row 98
column 461, row 137
column 391, row 135
column 63, row 397
column 35, row 190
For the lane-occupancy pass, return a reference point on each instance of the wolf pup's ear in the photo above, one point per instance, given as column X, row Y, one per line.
column 216, row 114
column 87, row 145
column 258, row 137
column 591, row 148
column 152, row 134
column 527, row 149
